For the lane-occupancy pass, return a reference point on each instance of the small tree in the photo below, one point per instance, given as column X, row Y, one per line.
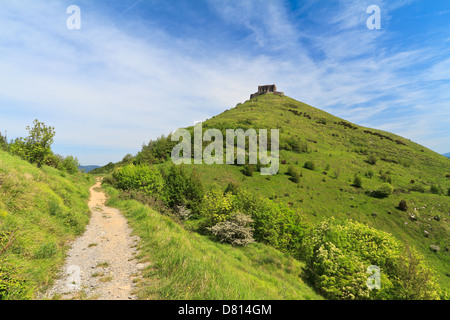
column 357, row 182
column 403, row 205
column 70, row 164
column 36, row 148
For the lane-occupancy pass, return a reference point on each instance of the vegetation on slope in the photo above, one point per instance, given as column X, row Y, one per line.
column 41, row 210
column 333, row 168
column 186, row 265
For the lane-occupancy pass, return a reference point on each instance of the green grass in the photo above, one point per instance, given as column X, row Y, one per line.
column 43, row 210
column 186, row 265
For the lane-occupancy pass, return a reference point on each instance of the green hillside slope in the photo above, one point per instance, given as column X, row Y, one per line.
column 41, row 210
column 362, row 191
column 340, row 150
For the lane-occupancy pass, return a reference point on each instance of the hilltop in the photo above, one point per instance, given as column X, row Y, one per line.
column 344, row 171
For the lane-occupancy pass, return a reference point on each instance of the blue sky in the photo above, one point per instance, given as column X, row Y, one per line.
column 139, row 69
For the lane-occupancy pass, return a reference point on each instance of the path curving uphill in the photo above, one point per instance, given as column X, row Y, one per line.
column 101, row 264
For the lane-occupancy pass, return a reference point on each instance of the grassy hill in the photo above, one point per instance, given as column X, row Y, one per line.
column 340, row 151
column 41, row 211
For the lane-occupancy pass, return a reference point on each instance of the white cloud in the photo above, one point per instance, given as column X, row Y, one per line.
column 105, row 86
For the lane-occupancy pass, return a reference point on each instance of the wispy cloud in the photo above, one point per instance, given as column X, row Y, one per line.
column 117, row 83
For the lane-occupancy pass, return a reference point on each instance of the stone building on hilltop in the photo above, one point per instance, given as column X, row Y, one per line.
column 266, row 89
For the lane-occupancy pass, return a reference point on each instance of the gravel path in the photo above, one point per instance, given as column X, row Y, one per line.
column 101, row 264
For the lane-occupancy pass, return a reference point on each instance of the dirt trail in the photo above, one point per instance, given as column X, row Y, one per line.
column 101, row 264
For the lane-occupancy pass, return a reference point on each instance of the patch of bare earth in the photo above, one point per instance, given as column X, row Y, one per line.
column 102, row 263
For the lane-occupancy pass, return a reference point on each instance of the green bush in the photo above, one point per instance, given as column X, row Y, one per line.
column 382, row 192
column 36, row 148
column 294, row 174
column 70, row 164
column 434, row 189
column 372, row 159
column 418, row 188
column 448, row 192
column 339, row 253
column 357, row 182
column 274, row 223
column 248, row 170
column 140, row 177
column 309, row 165
column 182, row 189
column 217, row 207
column 232, row 188
column 403, row 206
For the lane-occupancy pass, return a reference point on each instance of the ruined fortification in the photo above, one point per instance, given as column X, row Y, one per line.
column 266, row 89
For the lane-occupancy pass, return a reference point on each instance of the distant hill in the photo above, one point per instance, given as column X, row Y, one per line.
column 447, row 155
column 88, row 168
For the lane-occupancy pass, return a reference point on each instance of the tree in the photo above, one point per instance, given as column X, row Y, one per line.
column 357, row 182
column 36, row 148
column 403, row 206
column 70, row 164
column 3, row 142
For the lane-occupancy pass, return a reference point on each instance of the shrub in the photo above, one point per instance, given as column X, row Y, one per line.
column 248, row 170
column 70, row 164
column 434, row 189
column 370, row 174
column 236, row 231
column 403, row 206
column 448, row 192
column 274, row 223
column 294, row 174
column 418, row 188
column 182, row 189
column 140, row 177
column 382, row 192
column 309, row 165
column 339, row 253
column 216, row 206
column 183, row 213
column 232, row 188
column 357, row 182
column 372, row 159
column 36, row 148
